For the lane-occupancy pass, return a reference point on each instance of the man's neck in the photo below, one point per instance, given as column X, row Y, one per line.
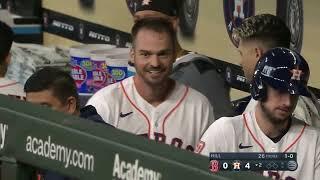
column 180, row 51
column 270, row 129
column 77, row 113
column 154, row 95
column 3, row 69
column 2, row 74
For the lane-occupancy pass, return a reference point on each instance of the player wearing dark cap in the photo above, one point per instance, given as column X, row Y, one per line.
column 167, row 7
column 280, row 78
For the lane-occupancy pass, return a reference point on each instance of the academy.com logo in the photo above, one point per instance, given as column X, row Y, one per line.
column 3, row 131
column 50, row 150
column 133, row 171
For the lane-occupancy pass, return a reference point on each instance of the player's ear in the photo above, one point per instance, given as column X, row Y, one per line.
column 131, row 56
column 258, row 52
column 175, row 23
column 8, row 58
column 71, row 105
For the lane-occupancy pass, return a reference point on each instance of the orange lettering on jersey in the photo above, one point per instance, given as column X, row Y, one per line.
column 275, row 175
column 200, row 147
column 158, row 137
column 176, row 142
column 189, row 148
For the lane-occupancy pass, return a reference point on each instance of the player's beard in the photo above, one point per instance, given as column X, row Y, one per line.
column 271, row 116
column 156, row 80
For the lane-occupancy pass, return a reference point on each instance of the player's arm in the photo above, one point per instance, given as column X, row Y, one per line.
column 308, row 109
column 215, row 138
column 103, row 108
column 207, row 116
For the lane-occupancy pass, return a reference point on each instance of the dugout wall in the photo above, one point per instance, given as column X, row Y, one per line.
column 37, row 137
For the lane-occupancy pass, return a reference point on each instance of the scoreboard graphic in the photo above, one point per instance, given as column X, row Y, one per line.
column 253, row 162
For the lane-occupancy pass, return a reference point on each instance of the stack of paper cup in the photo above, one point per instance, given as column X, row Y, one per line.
column 117, row 66
column 101, row 77
column 81, row 65
column 99, row 59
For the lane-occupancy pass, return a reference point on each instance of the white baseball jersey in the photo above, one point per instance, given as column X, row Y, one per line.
column 305, row 110
column 242, row 134
column 11, row 88
column 180, row 120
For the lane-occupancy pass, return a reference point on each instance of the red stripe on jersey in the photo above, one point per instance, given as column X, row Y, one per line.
column 254, row 138
column 173, row 109
column 39, row 176
column 6, row 85
column 131, row 102
column 296, row 140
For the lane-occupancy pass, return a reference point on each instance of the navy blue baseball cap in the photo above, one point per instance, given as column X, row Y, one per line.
column 282, row 69
column 168, row 7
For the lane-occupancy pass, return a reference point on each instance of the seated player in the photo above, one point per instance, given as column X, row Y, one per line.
column 255, row 36
column 56, row 89
column 280, row 77
column 192, row 69
column 7, row 86
column 150, row 103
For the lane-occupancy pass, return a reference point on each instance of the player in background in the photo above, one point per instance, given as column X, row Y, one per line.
column 150, row 103
column 256, row 35
column 190, row 68
column 7, row 86
column 280, row 77
column 56, row 89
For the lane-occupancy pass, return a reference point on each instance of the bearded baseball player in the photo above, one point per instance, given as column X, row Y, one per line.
column 190, row 68
column 256, row 35
column 150, row 103
column 280, row 77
